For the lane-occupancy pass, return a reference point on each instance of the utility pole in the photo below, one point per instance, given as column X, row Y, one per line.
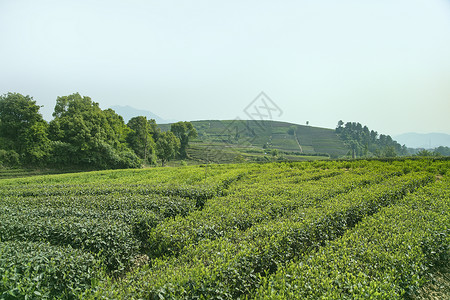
column 145, row 147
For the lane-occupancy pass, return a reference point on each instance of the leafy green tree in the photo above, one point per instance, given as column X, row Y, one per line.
column 167, row 146
column 443, row 150
column 116, row 129
column 425, row 152
column 22, row 128
column 354, row 146
column 364, row 142
column 140, row 138
column 9, row 158
column 183, row 131
column 389, row 151
column 84, row 135
column 78, row 121
column 291, row 130
column 155, row 131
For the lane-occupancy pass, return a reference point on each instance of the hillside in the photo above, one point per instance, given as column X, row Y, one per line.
column 238, row 140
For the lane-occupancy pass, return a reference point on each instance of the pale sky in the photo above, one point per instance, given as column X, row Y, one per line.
column 383, row 63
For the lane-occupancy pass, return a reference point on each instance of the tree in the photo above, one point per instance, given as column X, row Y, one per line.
column 442, row 150
column 84, row 135
column 167, row 146
column 389, row 151
column 354, row 146
column 140, row 138
column 22, row 128
column 116, row 129
column 424, row 152
column 78, row 121
column 364, row 142
column 155, row 131
column 9, row 158
column 291, row 130
column 183, row 131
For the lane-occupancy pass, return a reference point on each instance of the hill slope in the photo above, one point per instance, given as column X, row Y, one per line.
column 237, row 140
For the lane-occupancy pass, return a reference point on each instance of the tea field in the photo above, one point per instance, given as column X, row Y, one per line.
column 291, row 230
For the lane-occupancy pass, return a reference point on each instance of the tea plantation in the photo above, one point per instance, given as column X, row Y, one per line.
column 291, row 230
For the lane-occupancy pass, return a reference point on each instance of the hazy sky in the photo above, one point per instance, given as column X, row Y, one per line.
column 384, row 63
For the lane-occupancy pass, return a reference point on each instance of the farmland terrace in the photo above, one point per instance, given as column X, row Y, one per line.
column 290, row 230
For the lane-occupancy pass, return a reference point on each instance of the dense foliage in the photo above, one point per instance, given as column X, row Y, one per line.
column 365, row 142
column 23, row 131
column 350, row 229
column 82, row 136
column 141, row 140
column 183, row 131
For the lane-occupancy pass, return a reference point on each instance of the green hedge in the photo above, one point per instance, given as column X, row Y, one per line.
column 235, row 231
column 234, row 265
column 31, row 270
column 386, row 256
column 253, row 202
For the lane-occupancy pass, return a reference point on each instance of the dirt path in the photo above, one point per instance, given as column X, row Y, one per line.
column 298, row 143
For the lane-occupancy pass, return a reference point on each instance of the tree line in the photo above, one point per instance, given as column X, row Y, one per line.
column 82, row 135
column 366, row 143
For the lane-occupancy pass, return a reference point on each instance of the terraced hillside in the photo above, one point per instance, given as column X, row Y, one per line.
column 237, row 140
column 306, row 230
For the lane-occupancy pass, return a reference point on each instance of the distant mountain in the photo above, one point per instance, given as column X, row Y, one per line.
column 423, row 140
column 128, row 112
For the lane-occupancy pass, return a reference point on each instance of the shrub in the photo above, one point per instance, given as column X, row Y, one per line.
column 9, row 158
